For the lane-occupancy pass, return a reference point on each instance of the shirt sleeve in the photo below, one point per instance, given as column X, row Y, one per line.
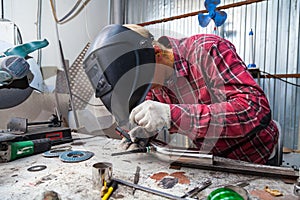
column 237, row 104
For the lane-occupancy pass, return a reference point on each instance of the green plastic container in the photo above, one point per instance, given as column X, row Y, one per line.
column 224, row 194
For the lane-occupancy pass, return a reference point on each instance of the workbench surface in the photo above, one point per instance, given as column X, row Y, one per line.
column 73, row 181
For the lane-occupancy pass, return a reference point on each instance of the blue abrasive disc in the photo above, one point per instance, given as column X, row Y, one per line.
column 75, row 156
column 55, row 152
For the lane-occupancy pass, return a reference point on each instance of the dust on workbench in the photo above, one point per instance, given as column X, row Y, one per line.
column 74, row 180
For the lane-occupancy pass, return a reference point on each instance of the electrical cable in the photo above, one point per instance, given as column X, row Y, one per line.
column 276, row 77
column 77, row 13
column 68, row 14
column 71, row 11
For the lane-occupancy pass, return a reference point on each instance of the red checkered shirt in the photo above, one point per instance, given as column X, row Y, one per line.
column 215, row 101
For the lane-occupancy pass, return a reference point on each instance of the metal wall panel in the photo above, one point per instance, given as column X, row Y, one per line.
column 276, row 26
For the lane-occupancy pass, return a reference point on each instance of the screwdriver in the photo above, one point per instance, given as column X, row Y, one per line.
column 113, row 186
column 196, row 190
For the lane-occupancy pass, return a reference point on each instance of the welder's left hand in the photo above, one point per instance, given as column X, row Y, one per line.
column 151, row 115
column 140, row 138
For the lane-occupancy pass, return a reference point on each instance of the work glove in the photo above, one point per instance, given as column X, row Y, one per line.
column 11, row 68
column 139, row 138
column 153, row 116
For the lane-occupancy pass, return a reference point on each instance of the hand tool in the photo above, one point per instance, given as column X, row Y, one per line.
column 136, row 177
column 196, row 190
column 14, row 150
column 150, row 190
column 111, row 188
column 139, row 150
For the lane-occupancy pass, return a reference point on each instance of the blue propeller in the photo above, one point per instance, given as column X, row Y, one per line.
column 217, row 16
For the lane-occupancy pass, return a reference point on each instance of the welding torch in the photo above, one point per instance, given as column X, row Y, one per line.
column 123, row 133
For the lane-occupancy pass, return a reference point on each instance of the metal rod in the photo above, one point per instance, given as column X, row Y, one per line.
column 241, row 167
column 146, row 189
column 2, row 9
column 38, row 30
column 68, row 84
column 197, row 12
column 281, row 76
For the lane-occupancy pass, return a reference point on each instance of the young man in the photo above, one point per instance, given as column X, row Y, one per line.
column 200, row 88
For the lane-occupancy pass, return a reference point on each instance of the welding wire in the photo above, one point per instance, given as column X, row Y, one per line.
column 150, row 190
column 136, row 177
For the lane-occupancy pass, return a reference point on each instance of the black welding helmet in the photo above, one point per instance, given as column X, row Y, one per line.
column 120, row 65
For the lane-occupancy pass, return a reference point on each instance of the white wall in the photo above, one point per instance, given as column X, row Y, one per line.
column 74, row 35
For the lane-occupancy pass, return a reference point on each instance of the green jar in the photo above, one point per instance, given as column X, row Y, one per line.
column 224, row 194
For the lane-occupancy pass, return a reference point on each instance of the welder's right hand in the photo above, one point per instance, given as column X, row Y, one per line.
column 140, row 138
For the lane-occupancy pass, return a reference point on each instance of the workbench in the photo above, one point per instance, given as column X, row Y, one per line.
column 74, row 180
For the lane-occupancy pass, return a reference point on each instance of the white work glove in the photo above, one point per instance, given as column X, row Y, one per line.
column 139, row 139
column 151, row 115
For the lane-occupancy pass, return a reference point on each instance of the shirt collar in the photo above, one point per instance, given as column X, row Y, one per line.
column 180, row 64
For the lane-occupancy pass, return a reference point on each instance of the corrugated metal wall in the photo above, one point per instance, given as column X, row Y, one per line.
column 276, row 27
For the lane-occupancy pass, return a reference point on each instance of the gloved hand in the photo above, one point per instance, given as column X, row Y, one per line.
column 16, row 66
column 151, row 115
column 139, row 139
column 11, row 68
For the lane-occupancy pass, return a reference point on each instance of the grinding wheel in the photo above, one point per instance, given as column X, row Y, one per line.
column 75, row 156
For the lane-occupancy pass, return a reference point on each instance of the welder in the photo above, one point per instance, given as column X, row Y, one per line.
column 196, row 86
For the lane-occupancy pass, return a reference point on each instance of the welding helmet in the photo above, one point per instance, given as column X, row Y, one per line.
column 120, row 65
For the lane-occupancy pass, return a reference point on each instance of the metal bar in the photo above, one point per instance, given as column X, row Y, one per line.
column 68, row 84
column 202, row 11
column 146, row 189
column 281, row 76
column 240, row 167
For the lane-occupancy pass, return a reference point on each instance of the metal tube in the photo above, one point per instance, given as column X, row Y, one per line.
column 172, row 154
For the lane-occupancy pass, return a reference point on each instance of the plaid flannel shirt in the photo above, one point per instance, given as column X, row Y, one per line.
column 215, row 101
